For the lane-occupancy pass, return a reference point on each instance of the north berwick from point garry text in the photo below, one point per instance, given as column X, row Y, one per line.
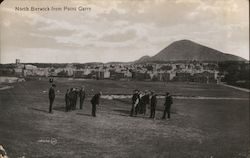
column 53, row 8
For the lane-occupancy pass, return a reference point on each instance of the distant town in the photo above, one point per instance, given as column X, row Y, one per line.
column 181, row 61
column 192, row 71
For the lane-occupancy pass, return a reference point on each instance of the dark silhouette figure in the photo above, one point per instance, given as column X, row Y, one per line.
column 168, row 103
column 71, row 99
column 81, row 96
column 67, row 101
column 138, row 107
column 153, row 105
column 95, row 101
column 51, row 97
column 75, row 96
column 135, row 101
column 144, row 102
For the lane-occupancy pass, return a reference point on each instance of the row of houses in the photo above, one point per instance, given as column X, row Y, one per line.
column 182, row 72
column 182, row 76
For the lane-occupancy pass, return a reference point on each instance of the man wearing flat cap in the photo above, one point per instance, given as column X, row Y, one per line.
column 168, row 103
column 51, row 97
column 81, row 96
column 95, row 101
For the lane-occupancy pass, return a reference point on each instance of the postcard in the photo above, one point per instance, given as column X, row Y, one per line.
column 124, row 79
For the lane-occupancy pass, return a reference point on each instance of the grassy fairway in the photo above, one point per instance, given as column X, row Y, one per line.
column 198, row 128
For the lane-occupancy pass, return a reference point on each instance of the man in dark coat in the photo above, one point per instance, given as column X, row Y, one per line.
column 168, row 103
column 138, row 106
column 51, row 97
column 67, row 101
column 74, row 99
column 153, row 105
column 135, row 101
column 71, row 99
column 95, row 101
column 81, row 96
column 144, row 102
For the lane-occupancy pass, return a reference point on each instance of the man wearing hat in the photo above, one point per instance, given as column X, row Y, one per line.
column 168, row 103
column 67, row 101
column 95, row 101
column 153, row 103
column 145, row 101
column 135, row 101
column 51, row 97
column 81, row 96
column 74, row 99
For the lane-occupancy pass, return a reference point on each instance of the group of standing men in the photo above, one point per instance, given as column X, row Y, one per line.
column 140, row 101
column 71, row 98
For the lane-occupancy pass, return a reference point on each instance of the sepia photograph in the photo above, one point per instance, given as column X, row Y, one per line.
column 124, row 79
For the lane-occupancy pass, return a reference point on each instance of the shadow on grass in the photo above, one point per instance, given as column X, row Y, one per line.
column 84, row 114
column 123, row 101
column 122, row 111
column 60, row 108
column 127, row 114
column 172, row 111
column 41, row 110
column 142, row 116
column 118, row 114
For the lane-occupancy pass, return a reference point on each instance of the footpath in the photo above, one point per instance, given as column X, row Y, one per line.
column 234, row 87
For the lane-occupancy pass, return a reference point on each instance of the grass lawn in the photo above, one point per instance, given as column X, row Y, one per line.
column 198, row 128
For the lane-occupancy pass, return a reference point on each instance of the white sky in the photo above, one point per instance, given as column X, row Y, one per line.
column 119, row 30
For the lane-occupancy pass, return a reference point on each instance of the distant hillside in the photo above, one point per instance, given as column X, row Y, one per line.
column 114, row 62
column 143, row 59
column 186, row 50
